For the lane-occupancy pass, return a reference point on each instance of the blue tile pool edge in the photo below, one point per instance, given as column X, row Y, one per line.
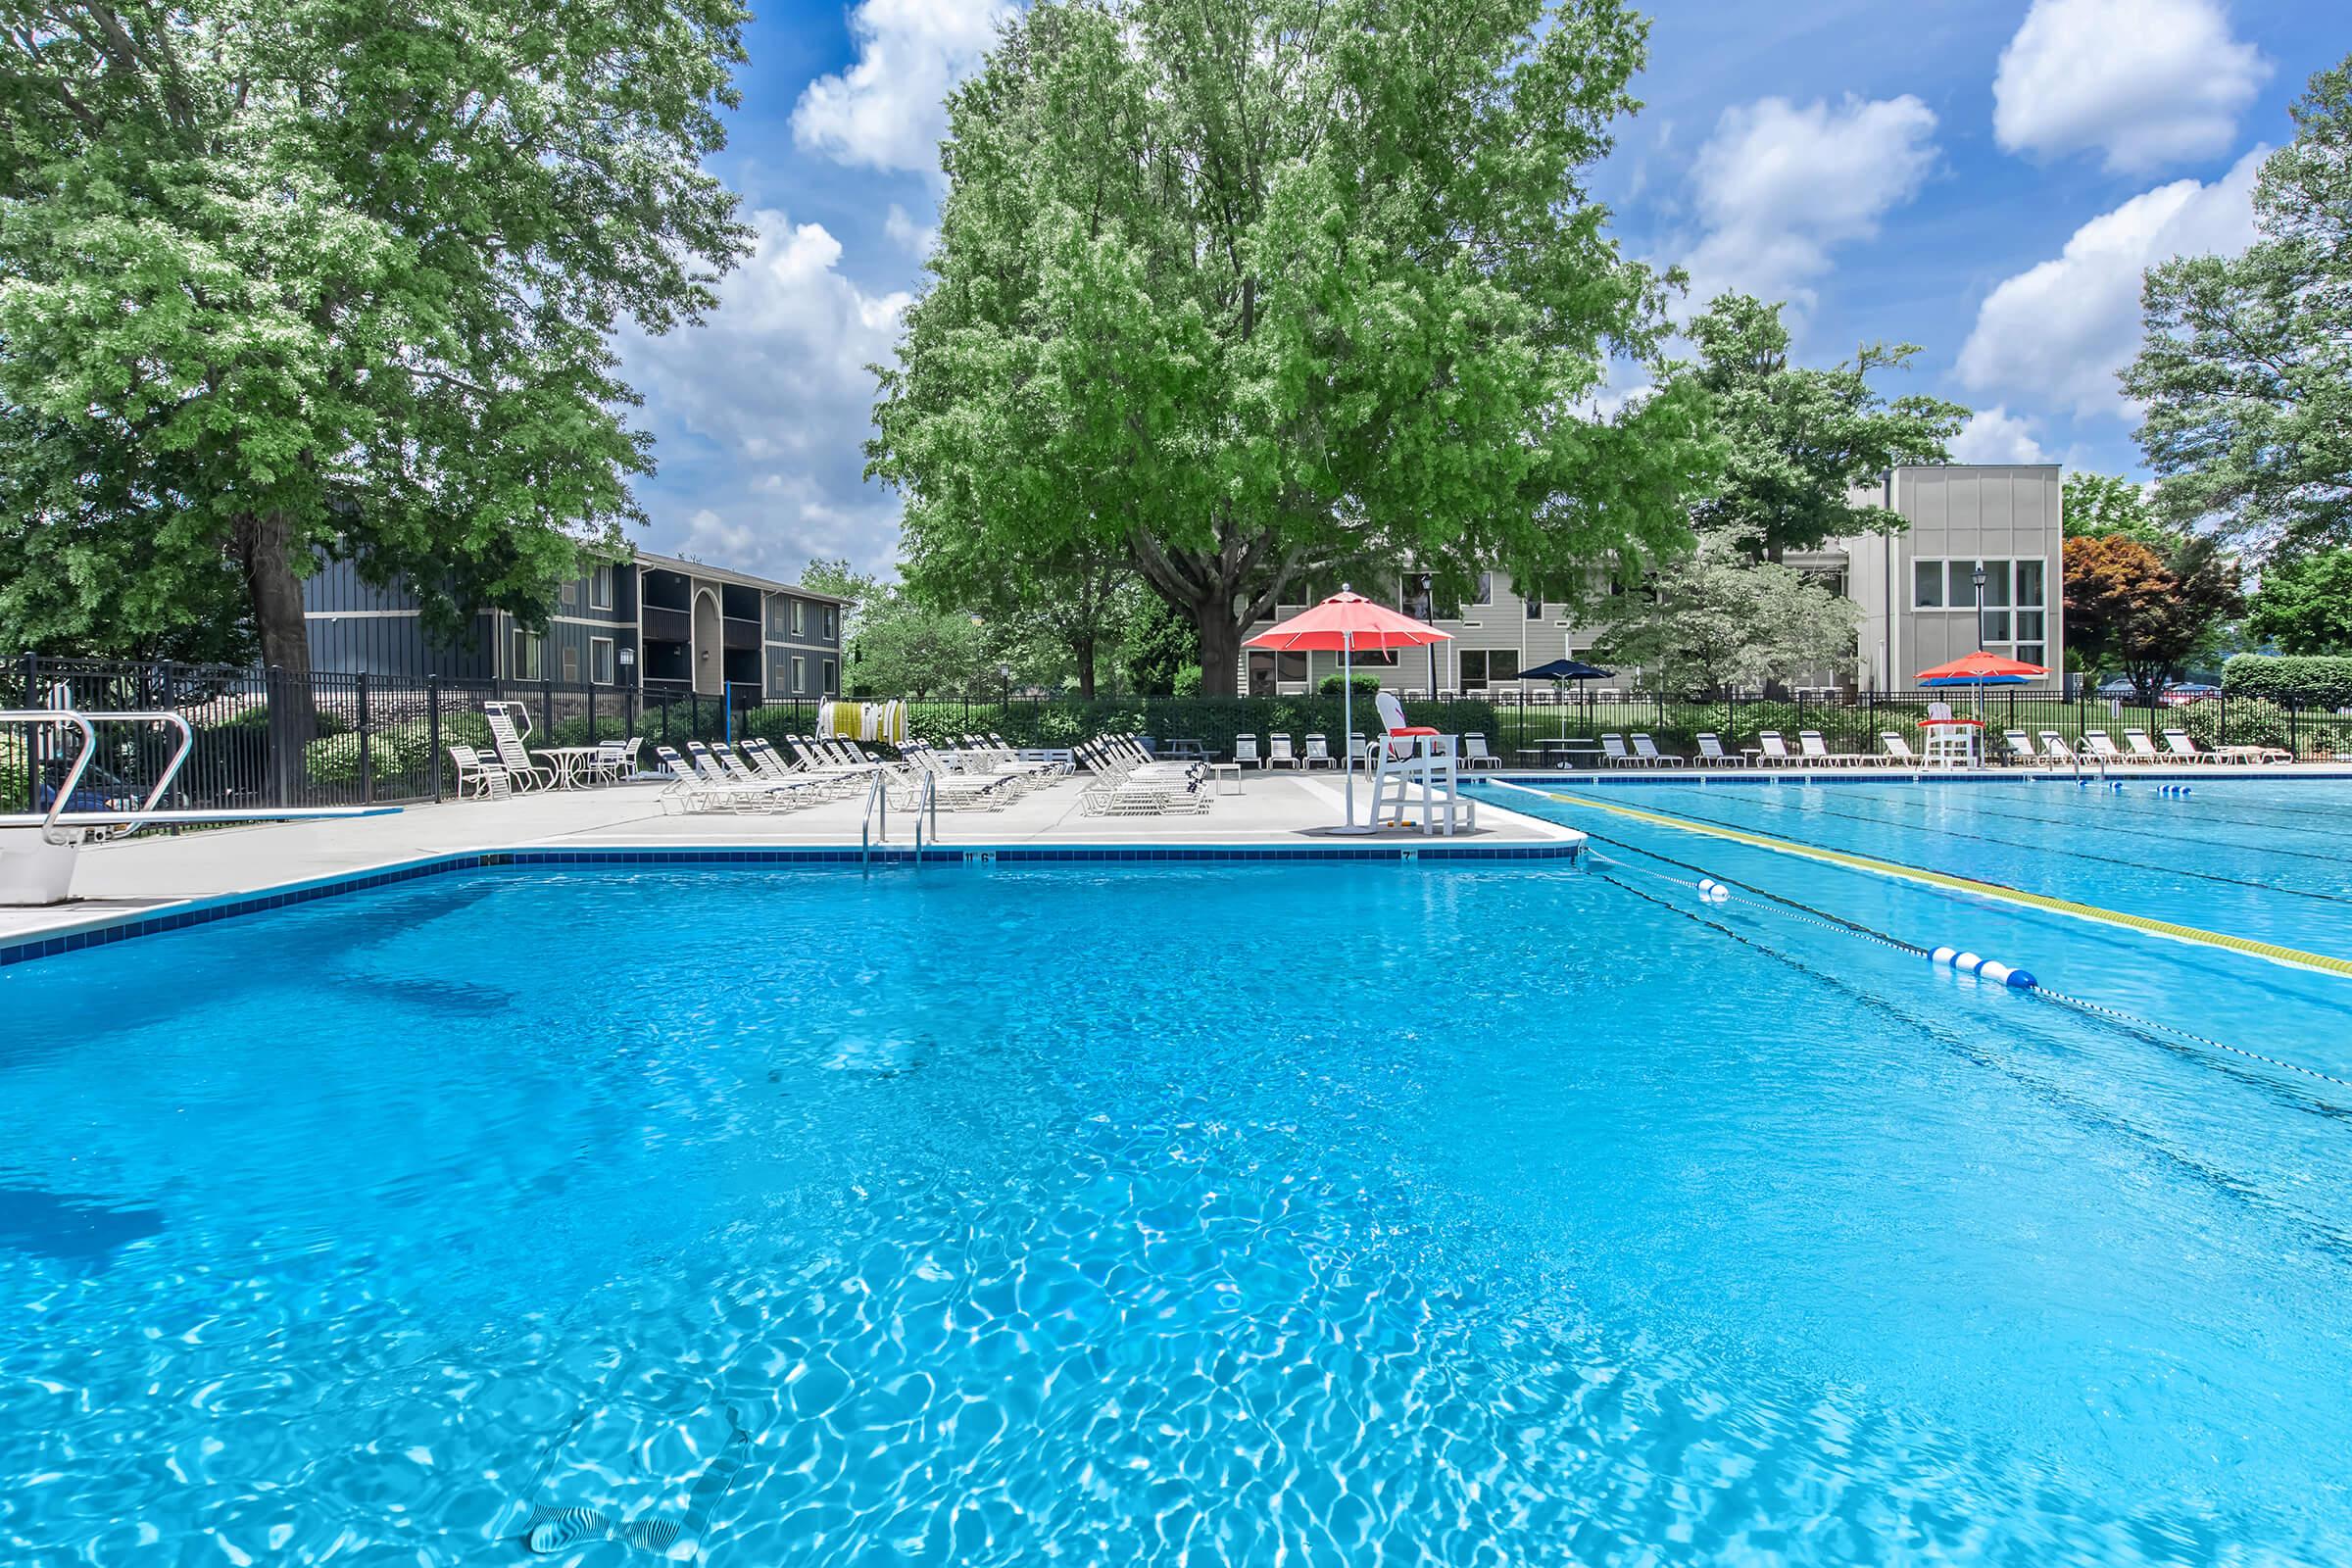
column 228, row 906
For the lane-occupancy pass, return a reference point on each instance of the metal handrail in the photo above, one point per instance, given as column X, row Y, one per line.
column 926, row 803
column 877, row 800
column 124, row 823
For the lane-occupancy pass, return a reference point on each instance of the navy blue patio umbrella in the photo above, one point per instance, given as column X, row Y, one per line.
column 1565, row 669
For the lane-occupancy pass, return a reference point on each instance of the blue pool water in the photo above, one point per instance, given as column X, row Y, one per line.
column 1200, row 1213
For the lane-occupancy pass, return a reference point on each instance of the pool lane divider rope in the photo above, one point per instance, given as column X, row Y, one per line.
column 2270, row 952
column 2014, row 980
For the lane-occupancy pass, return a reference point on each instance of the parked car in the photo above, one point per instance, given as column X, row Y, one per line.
column 2189, row 692
column 2118, row 686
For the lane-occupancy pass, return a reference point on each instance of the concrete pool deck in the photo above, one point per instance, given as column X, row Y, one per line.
column 153, row 872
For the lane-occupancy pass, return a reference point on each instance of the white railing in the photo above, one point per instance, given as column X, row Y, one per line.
column 59, row 823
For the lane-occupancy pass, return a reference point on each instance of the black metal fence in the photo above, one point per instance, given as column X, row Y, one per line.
column 265, row 739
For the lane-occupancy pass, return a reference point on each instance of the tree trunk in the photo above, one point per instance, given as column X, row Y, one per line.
column 1082, row 649
column 262, row 547
column 1220, row 633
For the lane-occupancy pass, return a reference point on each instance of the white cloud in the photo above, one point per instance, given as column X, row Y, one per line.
column 2059, row 332
column 1995, row 435
column 2147, row 82
column 907, row 234
column 1780, row 184
column 761, row 414
column 887, row 110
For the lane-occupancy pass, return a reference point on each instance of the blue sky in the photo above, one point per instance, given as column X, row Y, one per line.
column 1987, row 180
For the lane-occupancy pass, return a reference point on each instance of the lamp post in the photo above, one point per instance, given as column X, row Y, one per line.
column 1979, row 604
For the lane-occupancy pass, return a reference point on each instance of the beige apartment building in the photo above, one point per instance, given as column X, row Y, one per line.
column 1917, row 591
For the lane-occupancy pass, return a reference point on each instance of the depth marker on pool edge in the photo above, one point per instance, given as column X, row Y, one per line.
column 2293, row 957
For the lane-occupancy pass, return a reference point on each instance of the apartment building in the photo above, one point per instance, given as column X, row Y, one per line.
column 660, row 625
column 1917, row 590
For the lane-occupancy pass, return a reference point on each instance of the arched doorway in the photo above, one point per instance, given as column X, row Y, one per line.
column 710, row 645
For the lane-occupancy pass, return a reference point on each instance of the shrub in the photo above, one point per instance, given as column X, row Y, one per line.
column 1187, row 681
column 1366, row 686
column 2246, row 721
column 2309, row 681
column 335, row 759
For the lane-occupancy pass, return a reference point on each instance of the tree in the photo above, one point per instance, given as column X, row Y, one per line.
column 1160, row 643
column 2097, row 505
column 1064, row 605
column 2304, row 604
column 341, row 276
column 2246, row 368
column 2130, row 609
column 1714, row 620
column 1801, row 442
column 900, row 647
column 1258, row 291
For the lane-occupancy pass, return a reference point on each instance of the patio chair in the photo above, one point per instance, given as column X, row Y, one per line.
column 2055, row 750
column 478, row 775
column 2103, row 748
column 1475, row 753
column 1646, row 749
column 1318, row 753
column 1898, row 753
column 1712, row 754
column 2020, row 746
column 1614, row 751
column 1774, row 749
column 1245, row 752
column 2184, row 750
column 1279, row 752
column 1359, row 755
column 2143, row 750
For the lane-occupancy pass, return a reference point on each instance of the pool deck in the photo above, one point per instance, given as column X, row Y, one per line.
column 149, row 873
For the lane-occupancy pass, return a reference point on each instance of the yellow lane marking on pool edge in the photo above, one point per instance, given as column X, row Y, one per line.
column 2293, row 957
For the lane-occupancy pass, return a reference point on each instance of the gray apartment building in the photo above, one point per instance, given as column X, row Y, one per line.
column 1917, row 591
column 659, row 624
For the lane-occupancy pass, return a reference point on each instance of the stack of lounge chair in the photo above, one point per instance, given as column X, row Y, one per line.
column 1129, row 781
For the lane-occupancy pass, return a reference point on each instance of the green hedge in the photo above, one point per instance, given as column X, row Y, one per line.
column 2249, row 722
column 335, row 759
column 2307, row 681
column 1213, row 721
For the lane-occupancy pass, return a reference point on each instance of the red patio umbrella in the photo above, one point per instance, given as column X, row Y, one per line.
column 1342, row 625
column 1981, row 668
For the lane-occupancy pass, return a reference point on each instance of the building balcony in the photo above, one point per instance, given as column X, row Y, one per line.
column 666, row 625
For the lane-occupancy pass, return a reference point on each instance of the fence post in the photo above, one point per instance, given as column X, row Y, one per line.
column 366, row 770
column 547, row 706
column 34, row 734
column 432, row 728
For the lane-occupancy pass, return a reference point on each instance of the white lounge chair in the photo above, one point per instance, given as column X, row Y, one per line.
column 1898, row 753
column 1774, row 751
column 1816, row 754
column 1318, row 753
column 1646, row 749
column 1614, row 751
column 1279, row 752
column 2101, row 747
column 1712, row 754
column 2184, row 750
column 2055, row 750
column 1476, row 754
column 1245, row 752
column 522, row 772
column 2020, row 745
column 2143, row 750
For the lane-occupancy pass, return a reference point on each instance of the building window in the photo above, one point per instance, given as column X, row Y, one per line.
column 526, row 658
column 1483, row 666
column 832, row 680
column 599, row 661
column 1290, row 666
column 1927, row 585
column 571, row 665
column 600, row 588
column 1482, row 589
column 800, row 675
column 1535, row 607
column 832, row 622
column 797, row 630
column 2016, row 606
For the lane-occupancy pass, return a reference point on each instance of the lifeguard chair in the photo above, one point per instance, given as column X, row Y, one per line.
column 1417, row 771
column 1952, row 742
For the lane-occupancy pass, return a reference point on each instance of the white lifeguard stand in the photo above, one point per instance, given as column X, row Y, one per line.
column 1418, row 772
column 1950, row 742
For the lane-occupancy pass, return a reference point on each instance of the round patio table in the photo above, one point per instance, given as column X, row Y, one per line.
column 571, row 762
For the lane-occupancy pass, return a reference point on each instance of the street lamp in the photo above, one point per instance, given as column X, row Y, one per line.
column 1979, row 604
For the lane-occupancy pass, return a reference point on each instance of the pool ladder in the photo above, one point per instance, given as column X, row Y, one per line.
column 876, row 816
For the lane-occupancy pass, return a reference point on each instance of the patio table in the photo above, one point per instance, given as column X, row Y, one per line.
column 571, row 762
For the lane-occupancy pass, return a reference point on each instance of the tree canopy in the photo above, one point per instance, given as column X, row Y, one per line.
column 2246, row 369
column 2130, row 608
column 1800, row 442
column 2304, row 604
column 338, row 274
column 1715, row 621
column 2098, row 505
column 1255, row 291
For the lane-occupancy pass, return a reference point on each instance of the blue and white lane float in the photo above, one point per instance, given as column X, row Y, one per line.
column 1983, row 969
column 2175, row 790
column 1711, row 891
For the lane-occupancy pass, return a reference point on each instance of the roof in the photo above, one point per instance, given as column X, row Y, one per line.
column 744, row 579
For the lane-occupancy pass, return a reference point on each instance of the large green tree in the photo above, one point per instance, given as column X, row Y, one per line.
column 2094, row 505
column 2304, row 604
column 1801, row 441
column 1259, row 291
column 337, row 275
column 2246, row 369
column 1716, row 621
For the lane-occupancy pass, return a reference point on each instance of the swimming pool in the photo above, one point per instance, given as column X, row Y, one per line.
column 1155, row 1214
